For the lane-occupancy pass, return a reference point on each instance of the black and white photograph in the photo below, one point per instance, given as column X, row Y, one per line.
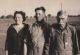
column 39, row 27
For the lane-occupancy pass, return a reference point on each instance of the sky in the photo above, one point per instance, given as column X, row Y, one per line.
column 28, row 6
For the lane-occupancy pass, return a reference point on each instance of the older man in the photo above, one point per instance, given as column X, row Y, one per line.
column 64, row 37
column 40, row 33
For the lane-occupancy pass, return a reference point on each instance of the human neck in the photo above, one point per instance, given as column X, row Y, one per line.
column 40, row 21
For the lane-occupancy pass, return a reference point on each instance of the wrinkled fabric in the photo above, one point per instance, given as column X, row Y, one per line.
column 64, row 42
column 40, row 37
column 15, row 41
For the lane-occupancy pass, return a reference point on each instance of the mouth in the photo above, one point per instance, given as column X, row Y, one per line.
column 61, row 26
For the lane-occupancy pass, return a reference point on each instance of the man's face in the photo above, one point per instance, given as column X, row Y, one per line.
column 40, row 15
column 62, row 20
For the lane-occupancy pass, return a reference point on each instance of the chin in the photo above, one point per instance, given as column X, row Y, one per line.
column 62, row 27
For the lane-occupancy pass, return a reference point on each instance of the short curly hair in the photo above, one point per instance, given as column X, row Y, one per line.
column 20, row 12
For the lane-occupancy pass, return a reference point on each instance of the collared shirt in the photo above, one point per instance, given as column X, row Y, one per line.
column 63, row 41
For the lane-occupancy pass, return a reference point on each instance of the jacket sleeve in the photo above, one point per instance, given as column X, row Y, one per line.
column 28, row 39
column 75, row 41
column 52, row 41
column 47, row 41
column 7, row 38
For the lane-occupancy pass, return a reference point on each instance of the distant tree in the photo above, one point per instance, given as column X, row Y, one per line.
column 49, row 15
column 72, row 15
column 9, row 16
column 2, row 17
column 26, row 17
column 79, row 15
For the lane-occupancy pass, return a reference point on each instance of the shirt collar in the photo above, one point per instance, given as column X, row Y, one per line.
column 61, row 30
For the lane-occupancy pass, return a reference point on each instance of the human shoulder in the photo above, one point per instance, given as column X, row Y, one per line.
column 72, row 27
column 26, row 26
column 54, row 26
column 34, row 24
column 11, row 26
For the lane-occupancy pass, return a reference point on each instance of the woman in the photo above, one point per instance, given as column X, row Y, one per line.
column 18, row 35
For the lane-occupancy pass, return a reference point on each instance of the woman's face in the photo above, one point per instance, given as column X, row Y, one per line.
column 19, row 19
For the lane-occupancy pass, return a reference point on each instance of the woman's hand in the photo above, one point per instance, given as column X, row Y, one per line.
column 6, row 52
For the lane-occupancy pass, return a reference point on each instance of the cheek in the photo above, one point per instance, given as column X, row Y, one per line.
column 20, row 20
column 65, row 21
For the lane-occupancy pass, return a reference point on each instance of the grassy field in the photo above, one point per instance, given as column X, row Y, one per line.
column 5, row 23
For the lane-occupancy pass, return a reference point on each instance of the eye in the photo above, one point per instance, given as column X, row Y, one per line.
column 62, row 18
column 17, row 17
column 38, row 13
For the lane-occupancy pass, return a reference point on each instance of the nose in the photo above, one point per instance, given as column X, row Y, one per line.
column 38, row 14
column 61, row 22
column 17, row 18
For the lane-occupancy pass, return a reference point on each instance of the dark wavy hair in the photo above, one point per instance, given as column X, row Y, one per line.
column 20, row 12
column 41, row 8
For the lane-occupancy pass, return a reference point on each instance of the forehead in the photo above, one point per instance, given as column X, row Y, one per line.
column 39, row 11
column 63, row 16
column 19, row 15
